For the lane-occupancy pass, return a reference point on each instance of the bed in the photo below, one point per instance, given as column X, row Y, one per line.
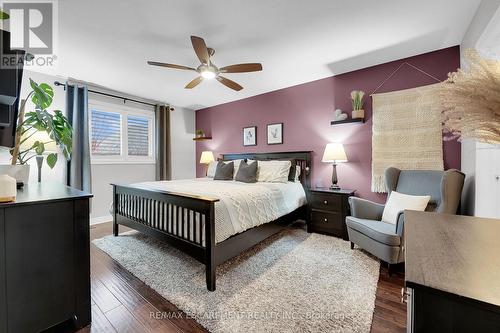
column 213, row 221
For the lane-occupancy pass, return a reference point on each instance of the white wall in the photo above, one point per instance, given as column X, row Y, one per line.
column 57, row 174
column 183, row 147
column 105, row 174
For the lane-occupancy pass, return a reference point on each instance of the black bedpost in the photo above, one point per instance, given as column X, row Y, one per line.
column 115, row 209
column 210, row 246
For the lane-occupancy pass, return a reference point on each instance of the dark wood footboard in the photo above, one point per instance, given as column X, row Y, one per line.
column 184, row 221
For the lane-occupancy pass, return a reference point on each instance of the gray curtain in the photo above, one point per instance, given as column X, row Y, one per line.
column 163, row 149
column 79, row 172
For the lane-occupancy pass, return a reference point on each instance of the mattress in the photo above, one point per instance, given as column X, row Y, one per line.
column 242, row 206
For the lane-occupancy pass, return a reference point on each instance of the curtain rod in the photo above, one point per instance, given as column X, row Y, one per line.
column 57, row 83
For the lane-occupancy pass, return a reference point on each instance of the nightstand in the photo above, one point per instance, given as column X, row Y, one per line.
column 327, row 210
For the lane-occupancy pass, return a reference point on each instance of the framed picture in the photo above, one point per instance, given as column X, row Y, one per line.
column 250, row 136
column 275, row 134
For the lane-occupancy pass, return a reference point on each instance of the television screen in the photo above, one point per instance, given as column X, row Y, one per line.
column 11, row 73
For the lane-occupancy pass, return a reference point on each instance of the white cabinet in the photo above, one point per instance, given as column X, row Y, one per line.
column 487, row 181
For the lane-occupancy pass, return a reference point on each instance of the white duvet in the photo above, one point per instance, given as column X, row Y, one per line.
column 242, row 206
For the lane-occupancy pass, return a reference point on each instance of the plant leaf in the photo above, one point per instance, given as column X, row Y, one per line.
column 43, row 94
column 52, row 160
column 28, row 56
column 39, row 147
column 4, row 15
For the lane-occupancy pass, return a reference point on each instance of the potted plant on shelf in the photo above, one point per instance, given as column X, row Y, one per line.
column 357, row 104
column 199, row 133
column 37, row 129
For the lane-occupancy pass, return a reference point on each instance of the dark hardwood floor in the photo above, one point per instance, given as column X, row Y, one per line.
column 123, row 303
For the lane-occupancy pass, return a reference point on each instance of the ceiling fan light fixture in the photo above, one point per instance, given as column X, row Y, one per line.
column 208, row 74
column 207, row 70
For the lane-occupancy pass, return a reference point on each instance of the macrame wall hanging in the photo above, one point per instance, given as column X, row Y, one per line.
column 406, row 130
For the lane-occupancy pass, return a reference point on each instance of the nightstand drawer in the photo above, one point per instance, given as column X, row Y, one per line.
column 327, row 202
column 327, row 221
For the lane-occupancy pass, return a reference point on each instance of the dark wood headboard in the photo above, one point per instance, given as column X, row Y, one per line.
column 302, row 158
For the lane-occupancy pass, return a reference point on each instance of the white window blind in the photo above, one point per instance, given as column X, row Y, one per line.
column 121, row 134
column 138, row 135
column 106, row 133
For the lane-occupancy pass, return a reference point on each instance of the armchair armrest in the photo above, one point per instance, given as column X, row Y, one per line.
column 365, row 209
column 400, row 223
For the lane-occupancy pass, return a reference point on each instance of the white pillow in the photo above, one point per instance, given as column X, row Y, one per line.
column 211, row 169
column 297, row 173
column 236, row 166
column 398, row 202
column 273, row 171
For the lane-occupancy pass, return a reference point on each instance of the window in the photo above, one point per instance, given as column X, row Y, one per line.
column 138, row 136
column 121, row 134
column 106, row 133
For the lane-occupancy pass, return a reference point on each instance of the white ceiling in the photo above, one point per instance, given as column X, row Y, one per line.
column 108, row 42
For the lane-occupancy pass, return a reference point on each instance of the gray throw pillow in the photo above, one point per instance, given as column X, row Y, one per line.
column 247, row 173
column 224, row 171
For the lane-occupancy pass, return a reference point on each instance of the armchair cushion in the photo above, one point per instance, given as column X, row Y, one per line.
column 398, row 202
column 379, row 231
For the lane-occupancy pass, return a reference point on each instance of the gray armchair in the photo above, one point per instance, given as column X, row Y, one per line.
column 385, row 240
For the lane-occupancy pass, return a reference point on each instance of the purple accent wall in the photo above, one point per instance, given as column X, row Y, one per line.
column 306, row 111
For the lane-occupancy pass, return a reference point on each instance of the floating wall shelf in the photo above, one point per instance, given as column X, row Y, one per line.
column 203, row 138
column 348, row 121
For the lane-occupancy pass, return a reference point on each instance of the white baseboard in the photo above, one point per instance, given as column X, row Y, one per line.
column 101, row 219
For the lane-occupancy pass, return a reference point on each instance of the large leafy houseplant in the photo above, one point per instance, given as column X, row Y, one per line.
column 3, row 15
column 54, row 124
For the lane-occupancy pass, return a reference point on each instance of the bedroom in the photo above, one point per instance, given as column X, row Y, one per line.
column 157, row 186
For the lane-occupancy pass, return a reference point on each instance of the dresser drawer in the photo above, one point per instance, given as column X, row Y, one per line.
column 327, row 221
column 326, row 202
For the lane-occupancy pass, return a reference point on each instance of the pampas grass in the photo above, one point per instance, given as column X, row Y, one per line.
column 470, row 100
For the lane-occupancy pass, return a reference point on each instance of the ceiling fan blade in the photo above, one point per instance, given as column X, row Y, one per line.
column 194, row 83
column 201, row 50
column 242, row 68
column 161, row 64
column 229, row 83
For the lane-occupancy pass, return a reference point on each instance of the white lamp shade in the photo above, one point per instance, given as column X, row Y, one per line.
column 42, row 136
column 334, row 153
column 207, row 157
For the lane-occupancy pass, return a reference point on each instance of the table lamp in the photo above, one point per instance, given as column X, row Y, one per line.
column 206, row 158
column 334, row 153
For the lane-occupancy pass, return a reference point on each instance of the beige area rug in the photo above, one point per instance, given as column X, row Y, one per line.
column 406, row 133
column 292, row 282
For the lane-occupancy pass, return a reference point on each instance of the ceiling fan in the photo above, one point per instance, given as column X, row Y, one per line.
column 208, row 70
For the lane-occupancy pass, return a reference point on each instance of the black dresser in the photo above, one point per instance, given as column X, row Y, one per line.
column 327, row 210
column 44, row 259
column 452, row 273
